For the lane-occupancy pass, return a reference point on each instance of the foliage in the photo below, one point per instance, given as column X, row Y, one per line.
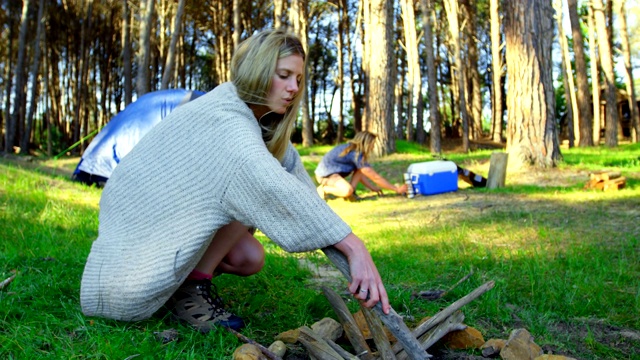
column 564, row 260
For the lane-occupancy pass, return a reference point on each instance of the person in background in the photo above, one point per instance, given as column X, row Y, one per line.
column 351, row 159
column 182, row 205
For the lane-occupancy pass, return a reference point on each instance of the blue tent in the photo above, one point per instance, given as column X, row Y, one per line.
column 124, row 131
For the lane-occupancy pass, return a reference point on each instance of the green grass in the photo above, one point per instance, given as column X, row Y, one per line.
column 566, row 262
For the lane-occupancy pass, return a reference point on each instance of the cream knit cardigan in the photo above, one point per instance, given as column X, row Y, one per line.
column 202, row 167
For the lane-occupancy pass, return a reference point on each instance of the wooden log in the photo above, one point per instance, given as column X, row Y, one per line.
column 446, row 312
column 452, row 323
column 392, row 321
column 497, row 170
column 351, row 330
column 604, row 175
column 316, row 345
column 379, row 336
column 614, row 184
column 344, row 353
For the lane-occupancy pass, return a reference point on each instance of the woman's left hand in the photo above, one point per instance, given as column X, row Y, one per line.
column 366, row 284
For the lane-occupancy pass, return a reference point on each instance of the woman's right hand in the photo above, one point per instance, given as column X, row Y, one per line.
column 366, row 284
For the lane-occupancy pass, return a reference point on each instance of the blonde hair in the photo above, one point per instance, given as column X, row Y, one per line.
column 253, row 66
column 362, row 143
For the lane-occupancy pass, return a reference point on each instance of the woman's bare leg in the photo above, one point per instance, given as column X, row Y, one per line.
column 233, row 250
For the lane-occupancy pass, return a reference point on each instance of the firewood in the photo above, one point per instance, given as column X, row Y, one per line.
column 379, row 336
column 317, row 346
column 446, row 312
column 604, row 175
column 392, row 321
column 451, row 323
column 349, row 324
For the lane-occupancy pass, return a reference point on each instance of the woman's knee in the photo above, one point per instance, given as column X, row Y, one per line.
column 246, row 258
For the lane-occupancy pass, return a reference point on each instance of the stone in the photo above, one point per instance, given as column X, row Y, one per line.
column 469, row 338
column 553, row 357
column 520, row 346
column 248, row 352
column 278, row 348
column 289, row 336
column 492, row 347
column 328, row 328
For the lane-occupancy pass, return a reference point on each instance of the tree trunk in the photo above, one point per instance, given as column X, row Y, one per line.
column 171, row 54
column 531, row 137
column 569, row 89
column 584, row 114
column 144, row 47
column 414, row 78
column 496, row 74
column 343, row 29
column 18, row 93
column 26, row 137
column 626, row 55
column 595, row 78
column 126, row 53
column 382, row 75
column 606, row 61
column 298, row 14
column 451, row 7
column 278, row 7
column 435, row 134
column 475, row 95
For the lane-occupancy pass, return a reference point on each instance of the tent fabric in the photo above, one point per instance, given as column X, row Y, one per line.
column 125, row 130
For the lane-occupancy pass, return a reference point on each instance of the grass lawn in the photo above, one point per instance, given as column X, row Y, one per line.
column 565, row 260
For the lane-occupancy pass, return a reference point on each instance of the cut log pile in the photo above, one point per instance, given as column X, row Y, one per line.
column 605, row 181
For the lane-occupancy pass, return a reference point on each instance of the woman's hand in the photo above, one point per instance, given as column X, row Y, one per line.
column 366, row 284
column 402, row 189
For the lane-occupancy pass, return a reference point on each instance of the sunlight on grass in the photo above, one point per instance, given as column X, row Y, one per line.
column 558, row 254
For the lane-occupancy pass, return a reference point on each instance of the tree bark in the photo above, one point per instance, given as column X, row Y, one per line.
column 606, row 61
column 414, row 78
column 171, row 54
column 595, row 78
column 144, row 47
column 531, row 137
column 126, row 53
column 35, row 72
column 496, row 73
column 584, row 114
column 626, row 55
column 18, row 93
column 569, row 89
column 298, row 14
column 451, row 7
column 381, row 77
column 435, row 135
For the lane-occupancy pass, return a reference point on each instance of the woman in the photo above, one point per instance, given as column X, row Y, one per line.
column 351, row 159
column 179, row 207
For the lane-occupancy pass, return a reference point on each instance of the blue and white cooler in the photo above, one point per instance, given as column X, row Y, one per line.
column 431, row 177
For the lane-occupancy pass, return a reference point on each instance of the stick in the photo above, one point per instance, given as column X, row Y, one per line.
column 379, row 336
column 268, row 353
column 393, row 321
column 452, row 323
column 316, row 345
column 349, row 324
column 7, row 281
column 442, row 315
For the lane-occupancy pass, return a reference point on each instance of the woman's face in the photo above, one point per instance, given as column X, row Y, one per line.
column 285, row 83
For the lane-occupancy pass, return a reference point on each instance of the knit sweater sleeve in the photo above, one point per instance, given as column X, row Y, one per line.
column 283, row 205
column 293, row 164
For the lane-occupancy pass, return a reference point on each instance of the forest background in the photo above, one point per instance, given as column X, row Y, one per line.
column 422, row 70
